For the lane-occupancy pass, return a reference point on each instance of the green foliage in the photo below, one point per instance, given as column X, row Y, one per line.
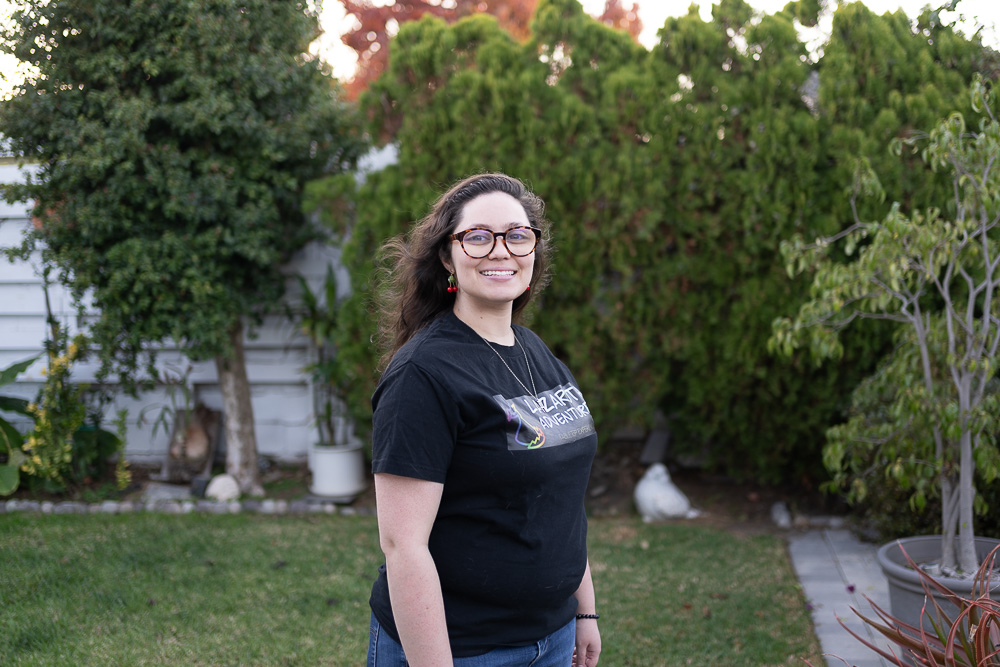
column 318, row 316
column 671, row 177
column 172, row 141
column 59, row 413
column 929, row 416
column 66, row 446
column 11, row 456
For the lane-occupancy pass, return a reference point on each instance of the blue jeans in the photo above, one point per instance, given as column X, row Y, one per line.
column 555, row 650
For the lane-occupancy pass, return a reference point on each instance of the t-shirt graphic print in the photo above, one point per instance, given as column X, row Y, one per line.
column 559, row 416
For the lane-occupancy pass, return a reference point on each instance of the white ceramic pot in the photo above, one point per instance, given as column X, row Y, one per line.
column 338, row 473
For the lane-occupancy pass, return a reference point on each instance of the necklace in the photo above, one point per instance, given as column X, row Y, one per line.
column 531, row 378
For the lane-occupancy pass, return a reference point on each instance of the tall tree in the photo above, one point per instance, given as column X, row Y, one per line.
column 172, row 141
column 671, row 176
column 376, row 25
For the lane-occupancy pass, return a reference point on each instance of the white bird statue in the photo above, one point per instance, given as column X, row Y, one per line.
column 657, row 498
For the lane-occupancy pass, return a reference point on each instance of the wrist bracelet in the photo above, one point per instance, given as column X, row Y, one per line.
column 593, row 616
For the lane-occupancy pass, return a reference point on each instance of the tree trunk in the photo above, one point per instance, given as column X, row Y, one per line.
column 949, row 518
column 968, row 563
column 241, row 442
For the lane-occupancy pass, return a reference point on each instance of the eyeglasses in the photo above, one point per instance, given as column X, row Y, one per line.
column 478, row 243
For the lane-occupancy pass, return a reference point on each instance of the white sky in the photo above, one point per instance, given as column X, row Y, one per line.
column 652, row 12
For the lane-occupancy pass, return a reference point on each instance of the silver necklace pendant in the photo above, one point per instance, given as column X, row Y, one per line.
column 533, row 392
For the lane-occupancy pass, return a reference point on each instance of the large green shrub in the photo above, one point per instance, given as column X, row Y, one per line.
column 671, row 177
column 173, row 140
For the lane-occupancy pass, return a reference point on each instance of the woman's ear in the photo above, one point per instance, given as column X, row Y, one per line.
column 446, row 261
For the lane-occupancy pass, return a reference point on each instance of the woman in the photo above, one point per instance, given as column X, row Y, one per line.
column 482, row 447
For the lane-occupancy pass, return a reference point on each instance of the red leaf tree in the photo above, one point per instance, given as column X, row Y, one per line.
column 376, row 25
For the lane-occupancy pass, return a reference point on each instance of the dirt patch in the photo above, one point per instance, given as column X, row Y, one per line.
column 741, row 508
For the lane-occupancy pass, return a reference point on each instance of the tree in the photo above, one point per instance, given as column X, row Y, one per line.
column 671, row 175
column 377, row 24
column 936, row 272
column 172, row 141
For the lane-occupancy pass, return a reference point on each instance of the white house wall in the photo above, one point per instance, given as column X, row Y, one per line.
column 280, row 389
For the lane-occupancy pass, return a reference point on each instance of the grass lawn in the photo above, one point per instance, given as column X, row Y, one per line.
column 196, row 589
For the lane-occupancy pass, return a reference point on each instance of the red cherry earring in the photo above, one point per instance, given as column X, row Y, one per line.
column 452, row 286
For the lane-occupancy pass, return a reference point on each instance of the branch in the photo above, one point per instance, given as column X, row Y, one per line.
column 905, row 319
column 986, row 170
column 987, row 285
column 944, row 289
column 969, row 322
column 830, row 240
column 904, row 298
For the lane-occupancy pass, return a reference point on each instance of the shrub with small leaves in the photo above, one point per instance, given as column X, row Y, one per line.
column 58, row 413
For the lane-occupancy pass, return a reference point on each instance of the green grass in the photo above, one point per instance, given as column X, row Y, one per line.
column 252, row 590
column 690, row 595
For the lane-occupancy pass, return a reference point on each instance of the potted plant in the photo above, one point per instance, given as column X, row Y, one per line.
column 934, row 416
column 964, row 631
column 337, row 459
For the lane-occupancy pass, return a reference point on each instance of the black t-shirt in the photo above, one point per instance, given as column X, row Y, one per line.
column 509, row 539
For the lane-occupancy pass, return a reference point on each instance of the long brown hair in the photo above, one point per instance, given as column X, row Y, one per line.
column 411, row 286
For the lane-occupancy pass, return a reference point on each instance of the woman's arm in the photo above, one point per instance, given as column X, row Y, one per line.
column 406, row 511
column 588, row 637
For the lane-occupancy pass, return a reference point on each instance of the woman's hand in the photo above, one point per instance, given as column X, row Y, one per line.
column 588, row 643
column 588, row 637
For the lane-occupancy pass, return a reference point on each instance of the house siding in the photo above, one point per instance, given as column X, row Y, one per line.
column 276, row 354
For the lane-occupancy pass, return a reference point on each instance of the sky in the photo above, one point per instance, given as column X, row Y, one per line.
column 652, row 12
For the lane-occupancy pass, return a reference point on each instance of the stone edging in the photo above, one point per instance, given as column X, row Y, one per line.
column 784, row 519
column 780, row 515
column 264, row 507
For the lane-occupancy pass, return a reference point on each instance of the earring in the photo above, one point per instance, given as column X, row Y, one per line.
column 452, row 286
column 527, row 289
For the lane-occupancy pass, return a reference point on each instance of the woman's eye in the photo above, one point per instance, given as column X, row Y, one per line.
column 478, row 238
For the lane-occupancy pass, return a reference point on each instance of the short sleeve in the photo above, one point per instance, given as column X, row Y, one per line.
column 414, row 425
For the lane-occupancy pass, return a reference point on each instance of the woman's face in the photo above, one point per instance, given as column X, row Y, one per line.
column 498, row 278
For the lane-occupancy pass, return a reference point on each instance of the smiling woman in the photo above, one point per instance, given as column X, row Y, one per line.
column 482, row 445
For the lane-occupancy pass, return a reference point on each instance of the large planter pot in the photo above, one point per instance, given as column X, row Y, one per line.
column 906, row 595
column 338, row 472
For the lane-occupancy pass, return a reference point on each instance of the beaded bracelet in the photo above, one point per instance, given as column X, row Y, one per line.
column 593, row 616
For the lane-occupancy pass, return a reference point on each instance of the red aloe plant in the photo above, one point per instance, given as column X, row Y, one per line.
column 970, row 638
